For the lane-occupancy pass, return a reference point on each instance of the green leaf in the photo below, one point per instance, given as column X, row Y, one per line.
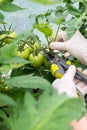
column 2, row 126
column 44, row 28
column 7, row 51
column 7, row 54
column 67, row 1
column 82, row 1
column 6, row 100
column 4, row 117
column 28, row 81
column 2, row 1
column 2, row 114
column 47, row 2
column 28, row 116
column 72, row 10
column 57, row 18
column 13, row 111
column 51, row 112
column 59, row 21
column 77, row 22
column 1, row 17
column 14, row 61
column 8, row 60
column 9, row 7
column 27, row 35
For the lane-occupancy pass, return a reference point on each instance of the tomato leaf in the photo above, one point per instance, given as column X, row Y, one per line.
column 28, row 81
column 7, row 51
column 9, row 7
column 72, row 10
column 8, row 59
column 47, row 2
column 27, row 35
column 47, row 115
column 70, row 29
column 1, row 17
column 44, row 28
column 6, row 100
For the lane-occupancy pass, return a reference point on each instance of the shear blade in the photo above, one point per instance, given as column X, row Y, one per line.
column 60, row 70
column 49, row 56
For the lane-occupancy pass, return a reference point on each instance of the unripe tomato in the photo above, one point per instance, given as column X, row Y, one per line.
column 13, row 35
column 10, row 37
column 47, row 63
column 36, row 45
column 36, row 60
column 24, row 54
column 2, row 36
column 30, row 48
column 6, row 88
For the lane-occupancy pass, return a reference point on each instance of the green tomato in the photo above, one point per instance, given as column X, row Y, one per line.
column 2, row 36
column 30, row 49
column 6, row 89
column 24, row 54
column 10, row 37
column 47, row 63
column 36, row 45
column 36, row 60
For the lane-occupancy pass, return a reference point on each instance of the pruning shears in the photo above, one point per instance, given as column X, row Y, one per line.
column 59, row 65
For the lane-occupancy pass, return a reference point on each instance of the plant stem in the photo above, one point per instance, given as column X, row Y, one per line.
column 57, row 32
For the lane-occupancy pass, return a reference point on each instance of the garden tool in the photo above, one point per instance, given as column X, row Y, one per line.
column 59, row 65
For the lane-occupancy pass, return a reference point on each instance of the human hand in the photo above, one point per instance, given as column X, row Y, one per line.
column 79, row 84
column 62, row 36
column 68, row 84
column 81, row 124
column 76, row 46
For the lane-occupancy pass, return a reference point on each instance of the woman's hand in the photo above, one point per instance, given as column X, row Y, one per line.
column 67, row 84
column 76, row 46
column 81, row 124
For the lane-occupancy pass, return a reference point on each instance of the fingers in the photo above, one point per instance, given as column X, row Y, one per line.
column 59, row 46
column 66, row 83
column 62, row 36
column 60, row 43
column 85, row 72
column 81, row 124
column 55, row 83
column 74, row 123
column 82, row 87
column 71, row 72
column 76, row 81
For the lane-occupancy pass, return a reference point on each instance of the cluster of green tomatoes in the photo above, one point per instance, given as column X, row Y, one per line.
column 31, row 52
column 34, row 54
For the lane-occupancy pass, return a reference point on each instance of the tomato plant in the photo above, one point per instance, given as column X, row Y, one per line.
column 27, row 98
